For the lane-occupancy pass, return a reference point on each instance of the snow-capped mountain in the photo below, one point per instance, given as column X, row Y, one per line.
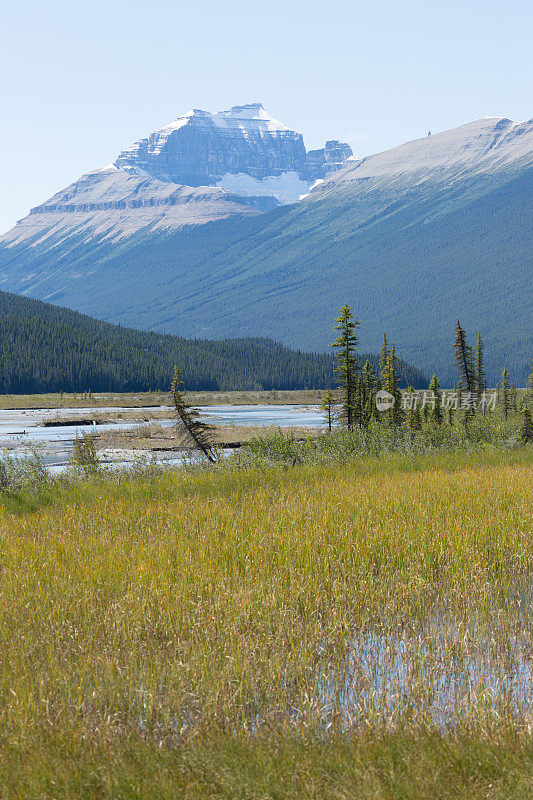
column 414, row 238
column 197, row 169
column 204, row 149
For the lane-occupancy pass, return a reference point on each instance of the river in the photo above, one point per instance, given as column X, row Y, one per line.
column 23, row 430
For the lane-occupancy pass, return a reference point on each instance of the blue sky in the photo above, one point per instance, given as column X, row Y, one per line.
column 81, row 80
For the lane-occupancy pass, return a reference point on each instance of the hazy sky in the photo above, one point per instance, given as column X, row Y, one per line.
column 81, row 80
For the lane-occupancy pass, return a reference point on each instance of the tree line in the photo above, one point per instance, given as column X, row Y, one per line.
column 44, row 348
column 365, row 397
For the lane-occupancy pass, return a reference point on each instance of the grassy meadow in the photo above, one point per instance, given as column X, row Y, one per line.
column 155, row 398
column 358, row 628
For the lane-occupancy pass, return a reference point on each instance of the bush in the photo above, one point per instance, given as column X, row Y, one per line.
column 84, row 457
column 22, row 474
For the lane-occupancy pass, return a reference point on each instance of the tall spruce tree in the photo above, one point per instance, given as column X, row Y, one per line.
column 480, row 381
column 462, row 359
column 505, row 395
column 472, row 366
column 392, row 381
column 346, row 354
column 364, row 405
column 383, row 361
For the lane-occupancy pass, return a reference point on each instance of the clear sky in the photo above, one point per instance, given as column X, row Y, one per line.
column 81, row 80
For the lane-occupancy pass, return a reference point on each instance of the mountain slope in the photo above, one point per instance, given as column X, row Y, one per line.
column 45, row 348
column 413, row 238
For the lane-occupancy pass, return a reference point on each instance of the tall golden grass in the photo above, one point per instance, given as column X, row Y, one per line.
column 318, row 598
column 389, row 597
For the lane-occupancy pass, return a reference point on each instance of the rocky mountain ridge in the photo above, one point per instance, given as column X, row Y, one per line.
column 200, row 168
column 201, row 148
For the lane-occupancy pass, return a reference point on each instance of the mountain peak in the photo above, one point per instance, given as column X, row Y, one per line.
column 248, row 106
column 249, row 115
column 416, row 231
column 243, row 149
column 480, row 146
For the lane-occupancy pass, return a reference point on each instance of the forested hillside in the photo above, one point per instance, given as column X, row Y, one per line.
column 411, row 273
column 44, row 349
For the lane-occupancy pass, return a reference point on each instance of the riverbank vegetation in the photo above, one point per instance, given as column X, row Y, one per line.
column 133, row 400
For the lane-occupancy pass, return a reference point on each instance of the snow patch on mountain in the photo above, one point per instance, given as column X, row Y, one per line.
column 201, row 148
column 248, row 117
column 286, row 188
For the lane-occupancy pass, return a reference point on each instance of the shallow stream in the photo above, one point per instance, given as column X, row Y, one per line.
column 23, row 430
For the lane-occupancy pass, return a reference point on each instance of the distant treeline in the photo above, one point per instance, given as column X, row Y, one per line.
column 49, row 349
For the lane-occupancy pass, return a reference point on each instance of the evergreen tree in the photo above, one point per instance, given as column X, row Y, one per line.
column 450, row 414
column 472, row 367
column 44, row 348
column 328, row 404
column 513, row 396
column 505, row 393
column 436, row 412
column 368, row 387
column 462, row 358
column 364, row 396
column 383, row 361
column 346, row 346
column 480, row 382
column 391, row 385
column 526, row 433
column 195, row 431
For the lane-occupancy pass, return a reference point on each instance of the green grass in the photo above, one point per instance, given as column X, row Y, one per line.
column 392, row 768
column 356, row 629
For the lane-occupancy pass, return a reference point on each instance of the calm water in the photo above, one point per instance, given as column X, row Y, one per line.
column 298, row 416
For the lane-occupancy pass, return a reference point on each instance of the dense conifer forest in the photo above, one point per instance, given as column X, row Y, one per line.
column 48, row 349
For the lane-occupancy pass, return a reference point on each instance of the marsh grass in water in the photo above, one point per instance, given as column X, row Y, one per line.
column 267, row 631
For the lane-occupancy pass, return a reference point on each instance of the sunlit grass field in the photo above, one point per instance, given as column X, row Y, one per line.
column 356, row 630
column 156, row 398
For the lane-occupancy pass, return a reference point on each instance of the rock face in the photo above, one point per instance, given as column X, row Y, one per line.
column 116, row 203
column 200, row 149
column 334, row 156
column 200, row 168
